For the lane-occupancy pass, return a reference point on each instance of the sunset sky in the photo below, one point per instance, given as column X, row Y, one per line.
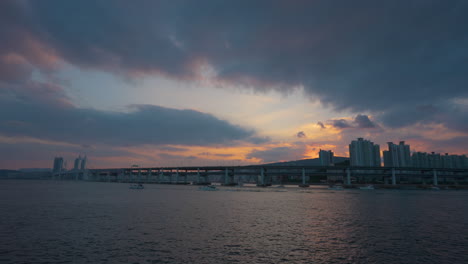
column 183, row 83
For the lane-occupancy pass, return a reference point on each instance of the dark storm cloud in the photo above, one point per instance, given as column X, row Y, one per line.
column 321, row 125
column 359, row 122
column 451, row 114
column 363, row 121
column 360, row 55
column 25, row 112
column 301, row 134
column 340, row 123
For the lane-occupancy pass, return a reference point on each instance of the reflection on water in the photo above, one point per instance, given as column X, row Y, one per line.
column 79, row 222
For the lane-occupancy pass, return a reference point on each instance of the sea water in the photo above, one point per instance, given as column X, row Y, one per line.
column 90, row 222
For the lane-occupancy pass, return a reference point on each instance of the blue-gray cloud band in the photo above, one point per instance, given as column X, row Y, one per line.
column 23, row 112
column 391, row 57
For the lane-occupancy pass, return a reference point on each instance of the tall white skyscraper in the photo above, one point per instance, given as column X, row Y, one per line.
column 397, row 155
column 364, row 153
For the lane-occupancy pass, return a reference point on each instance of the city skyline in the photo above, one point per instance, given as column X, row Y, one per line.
column 362, row 153
column 228, row 83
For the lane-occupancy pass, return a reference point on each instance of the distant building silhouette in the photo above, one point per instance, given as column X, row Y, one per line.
column 58, row 164
column 326, row 157
column 397, row 155
column 364, row 153
column 80, row 163
column 435, row 160
column 83, row 163
column 76, row 165
column 420, row 160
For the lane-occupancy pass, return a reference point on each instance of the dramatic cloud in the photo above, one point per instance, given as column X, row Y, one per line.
column 359, row 122
column 404, row 63
column 453, row 114
column 301, row 134
column 364, row 55
column 363, row 121
column 321, row 125
column 27, row 112
column 340, row 123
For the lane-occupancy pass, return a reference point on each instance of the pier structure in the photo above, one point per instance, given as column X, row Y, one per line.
column 264, row 175
column 229, row 177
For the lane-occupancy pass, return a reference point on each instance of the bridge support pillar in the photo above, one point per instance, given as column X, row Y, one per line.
column 161, row 176
column 226, row 177
column 202, row 179
column 303, row 179
column 185, row 175
column 262, row 178
column 434, row 173
column 177, row 176
column 348, row 176
column 148, row 176
column 393, row 177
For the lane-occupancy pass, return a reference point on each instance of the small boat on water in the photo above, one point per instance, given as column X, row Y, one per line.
column 367, row 187
column 138, row 186
column 208, row 188
column 434, row 188
column 335, row 187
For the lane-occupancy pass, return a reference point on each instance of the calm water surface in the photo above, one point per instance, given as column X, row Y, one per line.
column 83, row 222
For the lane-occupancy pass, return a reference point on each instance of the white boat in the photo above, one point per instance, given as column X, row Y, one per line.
column 208, row 188
column 367, row 187
column 335, row 187
column 435, row 188
column 137, row 186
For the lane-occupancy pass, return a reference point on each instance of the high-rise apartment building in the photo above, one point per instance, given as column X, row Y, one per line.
column 364, row 153
column 58, row 164
column 420, row 160
column 397, row 155
column 326, row 157
column 435, row 160
column 83, row 163
column 76, row 165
